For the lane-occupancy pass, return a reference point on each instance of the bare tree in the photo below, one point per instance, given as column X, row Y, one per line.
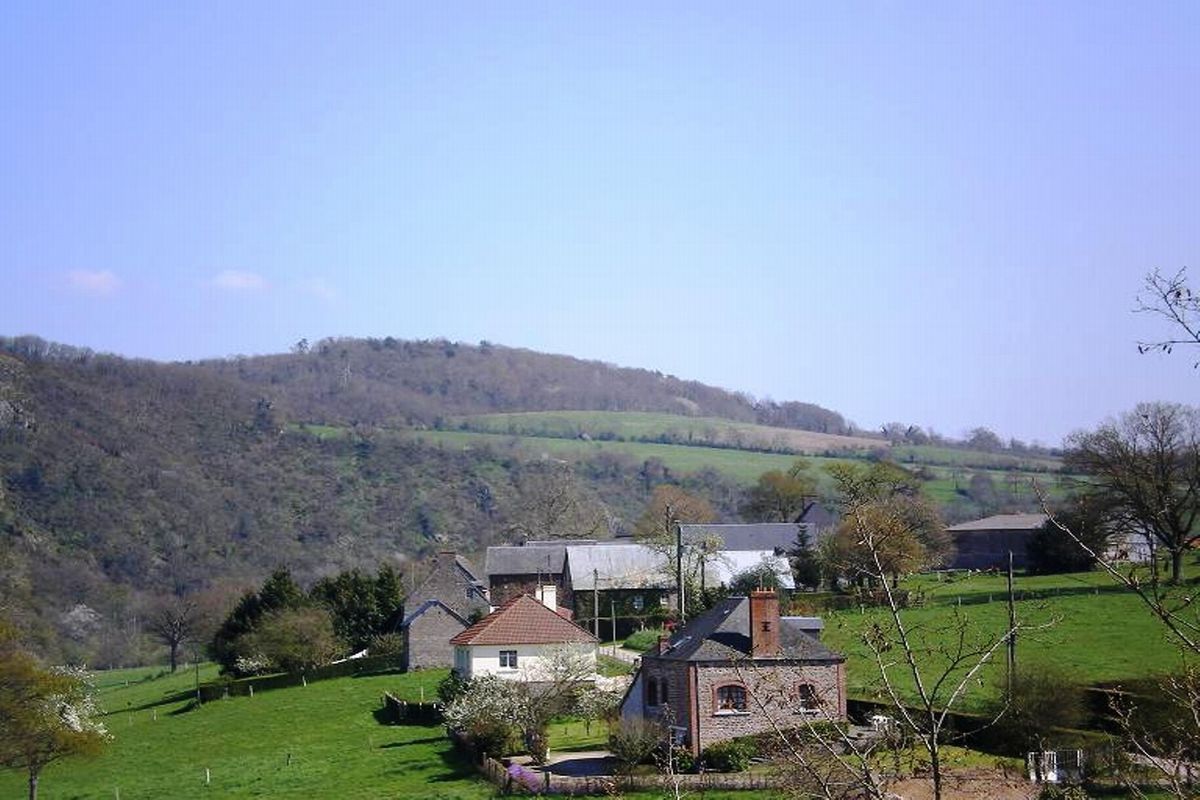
column 924, row 674
column 1146, row 466
column 552, row 505
column 174, row 621
column 1169, row 297
column 1170, row 743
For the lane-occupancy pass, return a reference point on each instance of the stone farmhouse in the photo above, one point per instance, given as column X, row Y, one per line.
column 516, row 640
column 739, row 669
column 632, row 585
column 447, row 601
column 514, row 570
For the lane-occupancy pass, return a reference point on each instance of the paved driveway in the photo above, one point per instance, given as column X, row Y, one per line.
column 587, row 762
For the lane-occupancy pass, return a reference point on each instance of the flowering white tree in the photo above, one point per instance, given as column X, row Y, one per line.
column 491, row 712
column 45, row 714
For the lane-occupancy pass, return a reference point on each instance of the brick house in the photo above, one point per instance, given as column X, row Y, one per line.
column 515, row 640
column 739, row 669
column 447, row 601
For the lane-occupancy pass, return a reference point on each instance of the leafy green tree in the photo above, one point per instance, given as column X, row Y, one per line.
column 906, row 532
column 292, row 639
column 806, row 563
column 1050, row 550
column 45, row 714
column 279, row 591
column 781, row 496
column 360, row 605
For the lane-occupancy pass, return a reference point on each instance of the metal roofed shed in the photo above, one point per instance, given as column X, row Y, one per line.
column 617, row 566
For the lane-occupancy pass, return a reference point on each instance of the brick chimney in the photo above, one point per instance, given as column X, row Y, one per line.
column 764, row 624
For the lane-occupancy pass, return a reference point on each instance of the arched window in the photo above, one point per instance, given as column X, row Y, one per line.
column 730, row 698
column 651, row 692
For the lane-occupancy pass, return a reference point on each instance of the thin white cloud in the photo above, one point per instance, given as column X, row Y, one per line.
column 99, row 283
column 317, row 287
column 238, row 281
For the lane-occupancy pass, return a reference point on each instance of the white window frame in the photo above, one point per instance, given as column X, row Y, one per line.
column 508, row 659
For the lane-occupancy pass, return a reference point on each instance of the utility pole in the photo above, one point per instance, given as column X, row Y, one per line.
column 678, row 563
column 596, row 602
column 1012, row 631
column 613, row 611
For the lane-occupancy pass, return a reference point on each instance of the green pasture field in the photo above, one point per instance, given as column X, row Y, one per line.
column 336, row 743
column 1085, row 627
column 954, row 456
column 337, row 746
column 743, row 466
column 638, row 425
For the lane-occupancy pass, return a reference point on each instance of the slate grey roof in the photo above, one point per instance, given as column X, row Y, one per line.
column 1002, row 522
column 617, row 566
column 526, row 559
column 753, row 536
column 424, row 607
column 723, row 634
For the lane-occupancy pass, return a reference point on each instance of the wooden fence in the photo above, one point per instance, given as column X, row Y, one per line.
column 216, row 690
column 402, row 712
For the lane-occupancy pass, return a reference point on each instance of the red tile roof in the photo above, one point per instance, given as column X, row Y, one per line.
column 523, row 620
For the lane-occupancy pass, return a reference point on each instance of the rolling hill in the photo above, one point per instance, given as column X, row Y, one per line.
column 123, row 479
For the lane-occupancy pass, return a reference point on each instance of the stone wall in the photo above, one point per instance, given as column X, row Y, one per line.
column 427, row 639
column 772, row 694
column 505, row 587
column 677, row 711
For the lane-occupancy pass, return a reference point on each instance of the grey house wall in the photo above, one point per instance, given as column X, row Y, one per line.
column 427, row 639
column 450, row 583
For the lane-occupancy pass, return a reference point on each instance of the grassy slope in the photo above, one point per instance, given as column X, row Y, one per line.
column 742, row 465
column 1093, row 633
column 338, row 748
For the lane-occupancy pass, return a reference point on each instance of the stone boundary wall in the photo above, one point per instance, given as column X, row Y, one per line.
column 608, row 785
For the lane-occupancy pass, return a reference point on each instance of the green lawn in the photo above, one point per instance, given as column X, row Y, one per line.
column 336, row 745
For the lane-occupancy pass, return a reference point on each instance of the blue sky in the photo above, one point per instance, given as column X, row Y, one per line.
column 933, row 213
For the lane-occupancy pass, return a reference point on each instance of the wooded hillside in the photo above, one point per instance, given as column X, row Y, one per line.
column 122, row 480
column 390, row 382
